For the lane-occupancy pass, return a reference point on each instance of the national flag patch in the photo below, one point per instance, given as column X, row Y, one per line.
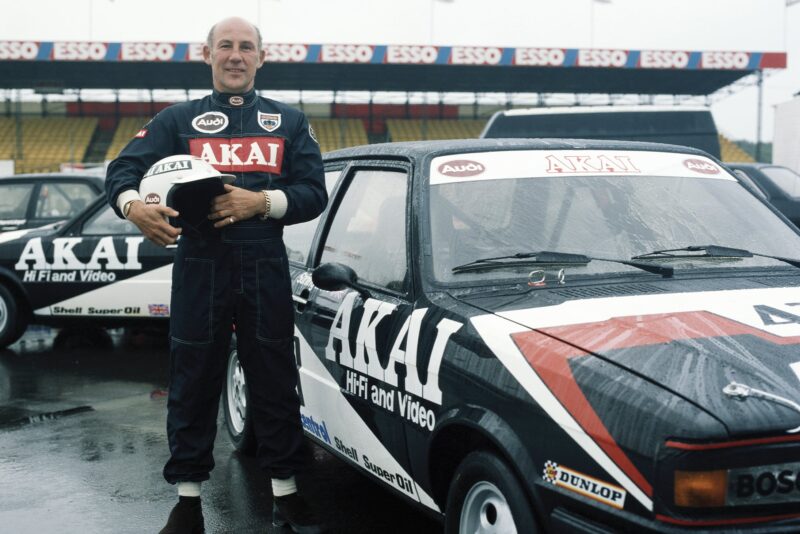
column 269, row 121
column 158, row 310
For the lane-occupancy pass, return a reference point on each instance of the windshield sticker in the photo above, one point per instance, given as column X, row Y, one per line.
column 510, row 164
column 461, row 167
column 699, row 165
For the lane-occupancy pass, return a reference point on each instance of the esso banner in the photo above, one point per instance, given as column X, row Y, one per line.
column 410, row 54
column 147, row 52
column 285, row 53
column 18, row 50
column 344, row 53
column 540, row 57
column 490, row 56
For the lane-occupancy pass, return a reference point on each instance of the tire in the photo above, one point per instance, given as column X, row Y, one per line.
column 485, row 497
column 235, row 402
column 12, row 322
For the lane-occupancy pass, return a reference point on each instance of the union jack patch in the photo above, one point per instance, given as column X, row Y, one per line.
column 158, row 310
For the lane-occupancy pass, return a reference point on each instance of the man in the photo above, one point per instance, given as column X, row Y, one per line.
column 236, row 273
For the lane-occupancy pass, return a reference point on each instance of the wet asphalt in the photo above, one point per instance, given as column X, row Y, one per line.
column 83, row 442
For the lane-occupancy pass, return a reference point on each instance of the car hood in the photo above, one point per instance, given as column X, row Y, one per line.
column 692, row 344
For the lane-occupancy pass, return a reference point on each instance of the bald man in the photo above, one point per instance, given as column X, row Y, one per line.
column 234, row 270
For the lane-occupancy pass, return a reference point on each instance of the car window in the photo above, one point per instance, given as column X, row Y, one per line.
column 744, row 177
column 601, row 216
column 298, row 237
column 62, row 200
column 14, row 200
column 106, row 222
column 368, row 232
column 785, row 179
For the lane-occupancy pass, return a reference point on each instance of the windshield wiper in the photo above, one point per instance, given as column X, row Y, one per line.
column 711, row 251
column 546, row 257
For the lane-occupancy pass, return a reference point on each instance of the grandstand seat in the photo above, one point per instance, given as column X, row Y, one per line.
column 334, row 134
column 432, row 129
column 45, row 142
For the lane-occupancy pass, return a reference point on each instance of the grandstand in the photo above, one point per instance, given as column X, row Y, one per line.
column 433, row 129
column 732, row 152
column 124, row 132
column 339, row 133
column 42, row 144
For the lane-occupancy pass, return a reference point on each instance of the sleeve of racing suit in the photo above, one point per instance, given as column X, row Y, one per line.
column 156, row 140
column 305, row 190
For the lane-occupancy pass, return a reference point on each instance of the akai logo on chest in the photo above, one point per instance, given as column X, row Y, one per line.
column 240, row 154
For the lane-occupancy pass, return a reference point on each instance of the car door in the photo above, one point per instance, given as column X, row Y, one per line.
column 100, row 266
column 348, row 342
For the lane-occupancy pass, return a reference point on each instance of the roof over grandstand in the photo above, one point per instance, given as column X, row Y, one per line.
column 55, row 65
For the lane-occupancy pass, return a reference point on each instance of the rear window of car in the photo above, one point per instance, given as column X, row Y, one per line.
column 14, row 200
column 62, row 200
column 785, row 179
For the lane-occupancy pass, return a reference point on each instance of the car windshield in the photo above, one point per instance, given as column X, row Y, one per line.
column 484, row 205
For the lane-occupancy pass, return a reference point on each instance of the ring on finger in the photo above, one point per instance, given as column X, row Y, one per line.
column 232, row 219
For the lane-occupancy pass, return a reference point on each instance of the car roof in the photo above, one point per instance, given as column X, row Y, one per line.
column 752, row 165
column 35, row 177
column 558, row 110
column 421, row 149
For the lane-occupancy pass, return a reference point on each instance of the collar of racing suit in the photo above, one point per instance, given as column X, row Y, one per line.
column 234, row 100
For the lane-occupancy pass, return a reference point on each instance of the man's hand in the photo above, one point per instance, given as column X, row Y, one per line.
column 149, row 218
column 236, row 204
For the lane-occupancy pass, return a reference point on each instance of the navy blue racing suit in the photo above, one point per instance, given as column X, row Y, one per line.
column 238, row 274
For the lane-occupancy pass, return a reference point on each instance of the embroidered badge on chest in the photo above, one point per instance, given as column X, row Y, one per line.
column 269, row 121
column 236, row 100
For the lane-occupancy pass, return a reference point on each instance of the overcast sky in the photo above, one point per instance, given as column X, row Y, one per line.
column 741, row 25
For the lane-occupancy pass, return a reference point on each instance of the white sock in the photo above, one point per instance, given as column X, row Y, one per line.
column 188, row 489
column 283, row 486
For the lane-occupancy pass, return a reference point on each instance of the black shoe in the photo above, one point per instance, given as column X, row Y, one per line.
column 185, row 518
column 293, row 510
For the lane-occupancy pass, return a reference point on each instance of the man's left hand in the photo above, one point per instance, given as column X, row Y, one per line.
column 236, row 204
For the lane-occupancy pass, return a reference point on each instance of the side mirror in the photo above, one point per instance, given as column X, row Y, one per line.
column 335, row 277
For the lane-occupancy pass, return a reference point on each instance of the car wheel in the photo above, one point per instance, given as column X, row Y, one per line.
column 12, row 322
column 485, row 497
column 235, row 399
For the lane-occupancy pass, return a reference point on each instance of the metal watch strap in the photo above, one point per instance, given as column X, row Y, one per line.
column 267, row 205
column 126, row 209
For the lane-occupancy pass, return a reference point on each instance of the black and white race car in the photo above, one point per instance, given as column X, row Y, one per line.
column 566, row 336
column 95, row 269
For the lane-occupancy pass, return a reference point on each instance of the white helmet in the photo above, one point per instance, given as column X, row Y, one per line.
column 186, row 184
